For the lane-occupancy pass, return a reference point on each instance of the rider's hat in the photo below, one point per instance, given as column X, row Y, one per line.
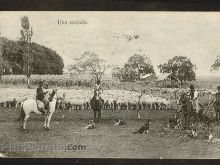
column 191, row 87
column 41, row 83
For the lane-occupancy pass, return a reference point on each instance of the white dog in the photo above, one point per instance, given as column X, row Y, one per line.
column 91, row 125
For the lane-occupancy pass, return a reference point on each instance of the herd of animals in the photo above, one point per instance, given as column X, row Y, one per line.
column 122, row 99
column 114, row 99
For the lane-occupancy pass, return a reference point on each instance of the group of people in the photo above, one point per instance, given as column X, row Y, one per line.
column 193, row 94
column 43, row 102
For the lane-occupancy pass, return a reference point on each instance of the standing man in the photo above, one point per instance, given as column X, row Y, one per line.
column 194, row 98
column 43, row 103
column 216, row 104
column 97, row 101
column 97, row 88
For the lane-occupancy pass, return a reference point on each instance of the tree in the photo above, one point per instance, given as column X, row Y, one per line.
column 89, row 62
column 142, row 64
column 181, row 67
column 216, row 65
column 136, row 66
column 45, row 60
column 117, row 72
column 129, row 73
column 25, row 40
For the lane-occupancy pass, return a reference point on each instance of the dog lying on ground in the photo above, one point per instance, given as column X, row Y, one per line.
column 119, row 122
column 91, row 125
column 144, row 128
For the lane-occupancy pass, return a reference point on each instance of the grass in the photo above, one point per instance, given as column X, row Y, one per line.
column 106, row 141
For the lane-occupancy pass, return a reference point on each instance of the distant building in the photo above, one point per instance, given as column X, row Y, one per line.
column 168, row 79
column 148, row 78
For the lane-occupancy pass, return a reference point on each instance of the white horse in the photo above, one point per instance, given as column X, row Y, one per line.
column 30, row 106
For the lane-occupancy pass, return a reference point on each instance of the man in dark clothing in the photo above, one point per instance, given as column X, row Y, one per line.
column 40, row 96
column 216, row 104
column 194, row 98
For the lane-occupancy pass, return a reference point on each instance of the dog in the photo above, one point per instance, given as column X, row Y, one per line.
column 192, row 133
column 91, row 125
column 211, row 137
column 144, row 128
column 174, row 122
column 119, row 122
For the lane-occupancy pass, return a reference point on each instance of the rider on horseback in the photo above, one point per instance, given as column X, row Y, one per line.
column 42, row 102
column 194, row 98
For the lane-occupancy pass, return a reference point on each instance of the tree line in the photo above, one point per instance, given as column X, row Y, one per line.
column 137, row 65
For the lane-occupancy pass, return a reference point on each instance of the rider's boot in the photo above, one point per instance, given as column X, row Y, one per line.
column 42, row 111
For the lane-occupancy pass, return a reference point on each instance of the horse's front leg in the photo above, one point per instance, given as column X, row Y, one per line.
column 45, row 120
column 185, row 120
column 196, row 117
column 48, row 120
column 25, row 121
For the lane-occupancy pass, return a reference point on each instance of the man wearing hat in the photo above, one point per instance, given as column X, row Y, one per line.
column 43, row 104
column 97, row 88
column 216, row 104
column 194, row 98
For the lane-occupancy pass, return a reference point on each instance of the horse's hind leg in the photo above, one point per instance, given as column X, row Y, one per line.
column 99, row 115
column 196, row 116
column 94, row 111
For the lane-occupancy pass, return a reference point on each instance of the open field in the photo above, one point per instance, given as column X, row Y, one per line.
column 106, row 141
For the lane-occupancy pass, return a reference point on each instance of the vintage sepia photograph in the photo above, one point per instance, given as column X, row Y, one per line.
column 113, row 84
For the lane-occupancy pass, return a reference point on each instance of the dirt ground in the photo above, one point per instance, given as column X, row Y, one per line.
column 106, row 141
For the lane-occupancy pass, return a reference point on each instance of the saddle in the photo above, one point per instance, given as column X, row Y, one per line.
column 42, row 107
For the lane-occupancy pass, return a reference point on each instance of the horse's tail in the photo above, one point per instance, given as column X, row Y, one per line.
column 22, row 113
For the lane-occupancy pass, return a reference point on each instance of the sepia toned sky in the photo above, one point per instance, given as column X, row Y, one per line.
column 162, row 35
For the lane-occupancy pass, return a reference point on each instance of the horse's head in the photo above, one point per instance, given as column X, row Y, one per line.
column 53, row 95
column 183, row 99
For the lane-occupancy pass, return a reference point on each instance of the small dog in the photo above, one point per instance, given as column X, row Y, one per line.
column 144, row 128
column 174, row 122
column 211, row 137
column 91, row 125
column 119, row 122
column 192, row 133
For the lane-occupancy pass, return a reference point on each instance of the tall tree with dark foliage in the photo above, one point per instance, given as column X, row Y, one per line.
column 25, row 41
column 181, row 67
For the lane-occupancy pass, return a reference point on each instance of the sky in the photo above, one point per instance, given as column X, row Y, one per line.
column 162, row 35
